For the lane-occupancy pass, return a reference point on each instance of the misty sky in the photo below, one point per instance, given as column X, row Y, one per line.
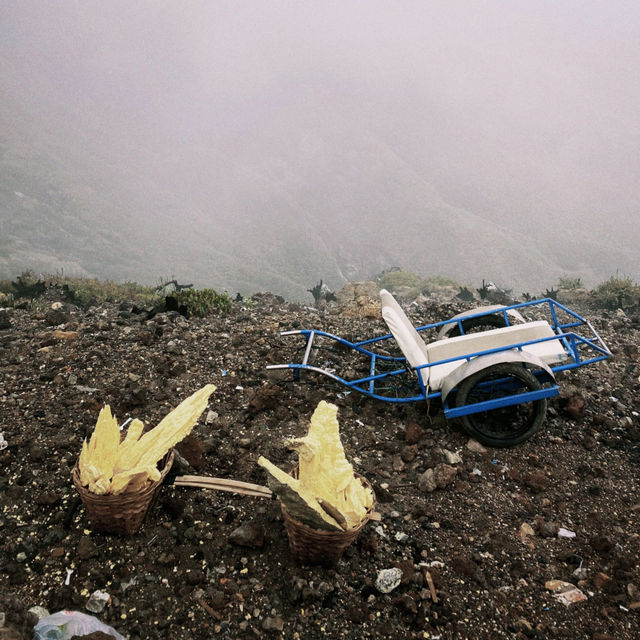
column 522, row 112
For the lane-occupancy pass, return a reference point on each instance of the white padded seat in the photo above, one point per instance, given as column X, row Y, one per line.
column 418, row 353
column 550, row 352
column 411, row 344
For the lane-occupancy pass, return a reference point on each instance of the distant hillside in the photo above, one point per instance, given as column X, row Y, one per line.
column 339, row 200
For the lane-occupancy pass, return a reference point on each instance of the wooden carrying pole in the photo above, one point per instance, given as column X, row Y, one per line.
column 222, row 484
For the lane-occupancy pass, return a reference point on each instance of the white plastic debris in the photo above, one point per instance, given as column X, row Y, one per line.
column 63, row 625
column 565, row 533
column 3, row 443
column 570, row 597
column 67, row 580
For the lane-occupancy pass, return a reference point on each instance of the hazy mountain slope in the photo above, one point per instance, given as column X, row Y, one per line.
column 305, row 214
column 271, row 204
column 266, row 147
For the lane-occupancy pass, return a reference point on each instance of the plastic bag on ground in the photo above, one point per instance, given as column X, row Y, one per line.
column 63, row 625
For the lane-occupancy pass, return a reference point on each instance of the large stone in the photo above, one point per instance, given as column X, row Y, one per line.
column 444, row 475
column 427, row 481
column 359, row 299
column 573, row 405
column 388, row 579
column 5, row 322
column 413, row 433
column 537, row 481
column 55, row 317
column 476, row 447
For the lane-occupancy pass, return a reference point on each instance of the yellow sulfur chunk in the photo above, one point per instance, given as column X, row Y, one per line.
column 301, row 505
column 129, row 481
column 134, row 431
column 154, row 474
column 128, row 446
column 327, row 485
column 88, row 474
column 100, row 485
column 128, row 456
column 103, row 446
column 134, row 480
column 84, row 456
column 325, row 471
column 173, row 428
column 132, row 462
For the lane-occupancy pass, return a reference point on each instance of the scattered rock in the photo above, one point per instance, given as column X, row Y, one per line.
column 388, row 579
column 55, row 317
column 5, row 321
column 452, row 457
column 97, row 601
column 444, row 475
column 86, row 548
column 273, row 624
column 601, row 580
column 265, row 398
column 537, row 481
column 249, row 534
column 413, row 433
column 572, row 405
column 192, row 450
column 65, row 335
column 602, row 544
column 427, row 481
column 476, row 447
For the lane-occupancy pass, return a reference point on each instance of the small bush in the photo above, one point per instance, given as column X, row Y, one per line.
column 617, row 293
column 397, row 279
column 434, row 284
column 204, row 302
column 80, row 291
column 88, row 291
column 570, row 283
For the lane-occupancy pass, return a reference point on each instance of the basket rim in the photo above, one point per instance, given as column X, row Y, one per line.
column 128, row 496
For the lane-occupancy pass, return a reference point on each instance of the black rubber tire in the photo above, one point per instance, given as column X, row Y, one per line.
column 483, row 322
column 507, row 426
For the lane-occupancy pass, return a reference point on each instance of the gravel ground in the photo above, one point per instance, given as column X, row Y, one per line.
column 474, row 553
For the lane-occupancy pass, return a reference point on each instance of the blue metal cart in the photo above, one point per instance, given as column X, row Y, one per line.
column 490, row 367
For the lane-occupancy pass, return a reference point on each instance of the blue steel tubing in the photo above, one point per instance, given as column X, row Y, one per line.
column 499, row 403
column 372, row 372
column 486, row 352
column 353, row 345
column 570, row 340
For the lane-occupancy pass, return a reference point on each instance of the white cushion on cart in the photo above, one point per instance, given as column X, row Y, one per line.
column 550, row 352
column 411, row 344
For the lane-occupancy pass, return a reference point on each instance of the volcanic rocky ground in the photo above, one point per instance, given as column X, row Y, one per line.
column 486, row 528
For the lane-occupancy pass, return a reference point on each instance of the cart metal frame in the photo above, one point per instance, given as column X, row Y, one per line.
column 577, row 342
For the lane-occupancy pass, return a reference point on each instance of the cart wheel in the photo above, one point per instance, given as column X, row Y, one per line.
column 483, row 323
column 506, row 426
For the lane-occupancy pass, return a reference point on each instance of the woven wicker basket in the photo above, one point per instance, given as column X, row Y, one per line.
column 315, row 546
column 122, row 514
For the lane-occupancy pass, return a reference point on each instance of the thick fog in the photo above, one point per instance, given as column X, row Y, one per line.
column 252, row 145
